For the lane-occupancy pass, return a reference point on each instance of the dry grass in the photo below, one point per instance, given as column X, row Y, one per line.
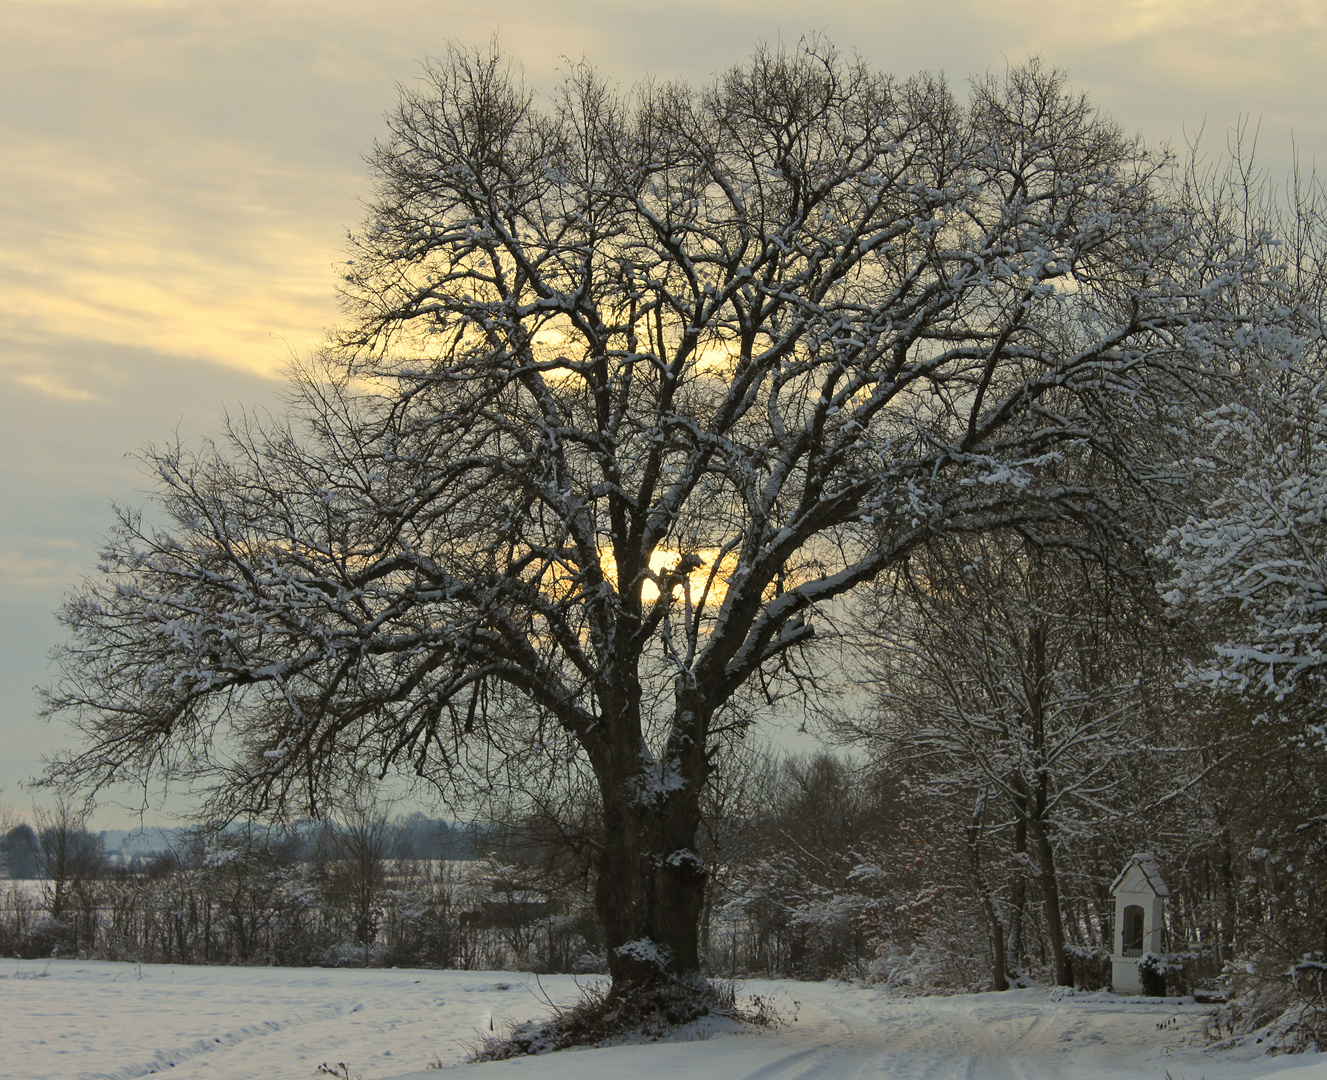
column 602, row 1017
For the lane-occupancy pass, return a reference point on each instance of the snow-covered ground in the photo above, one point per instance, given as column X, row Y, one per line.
column 76, row 1020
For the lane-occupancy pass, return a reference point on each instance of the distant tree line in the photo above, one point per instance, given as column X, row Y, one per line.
column 906, row 866
column 363, row 891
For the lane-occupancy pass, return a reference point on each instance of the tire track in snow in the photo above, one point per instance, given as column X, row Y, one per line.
column 774, row 1070
column 1005, row 1041
column 168, row 1059
column 823, row 1062
column 991, row 1062
column 901, row 1043
column 847, row 1044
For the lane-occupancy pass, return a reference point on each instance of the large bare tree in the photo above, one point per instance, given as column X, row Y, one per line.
column 633, row 386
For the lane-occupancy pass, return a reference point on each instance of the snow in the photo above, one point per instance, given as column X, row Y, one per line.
column 81, row 1020
column 1147, row 866
column 642, row 950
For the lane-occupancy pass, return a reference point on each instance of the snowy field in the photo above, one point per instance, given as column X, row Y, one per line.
column 77, row 1020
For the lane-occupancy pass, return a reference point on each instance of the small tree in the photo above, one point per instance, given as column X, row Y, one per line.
column 246, row 875
column 355, row 853
column 69, row 858
column 634, row 387
column 818, row 877
column 18, row 851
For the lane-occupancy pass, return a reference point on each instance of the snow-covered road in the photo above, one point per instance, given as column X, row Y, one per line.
column 76, row 1020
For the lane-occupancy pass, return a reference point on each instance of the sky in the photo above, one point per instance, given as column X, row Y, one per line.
column 177, row 179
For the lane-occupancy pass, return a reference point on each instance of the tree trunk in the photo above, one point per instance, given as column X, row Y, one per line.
column 1038, row 691
column 1017, row 900
column 651, row 885
column 999, row 966
column 1229, row 918
column 1050, row 891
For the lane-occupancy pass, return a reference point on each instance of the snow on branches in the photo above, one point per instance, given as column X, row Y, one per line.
column 1255, row 567
column 1251, row 565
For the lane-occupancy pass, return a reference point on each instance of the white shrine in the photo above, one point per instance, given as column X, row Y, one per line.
column 1139, row 919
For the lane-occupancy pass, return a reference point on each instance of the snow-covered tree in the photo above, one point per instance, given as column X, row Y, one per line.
column 1250, row 565
column 354, row 855
column 1254, row 567
column 812, row 883
column 1010, row 673
column 634, row 386
column 69, row 860
column 1249, row 574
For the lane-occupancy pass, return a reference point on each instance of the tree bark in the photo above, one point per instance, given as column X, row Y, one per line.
column 999, row 968
column 1018, row 899
column 1038, row 692
column 651, row 885
column 1050, row 892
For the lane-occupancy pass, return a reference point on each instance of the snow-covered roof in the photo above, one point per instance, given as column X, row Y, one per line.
column 1147, row 866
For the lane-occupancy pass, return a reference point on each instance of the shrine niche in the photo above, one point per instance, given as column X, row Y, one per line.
column 1139, row 894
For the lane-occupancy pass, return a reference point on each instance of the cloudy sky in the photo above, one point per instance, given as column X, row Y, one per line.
column 177, row 178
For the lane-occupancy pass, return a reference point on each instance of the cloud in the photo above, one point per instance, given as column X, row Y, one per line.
column 181, row 175
column 1166, row 64
column 25, row 571
column 210, row 252
column 49, row 386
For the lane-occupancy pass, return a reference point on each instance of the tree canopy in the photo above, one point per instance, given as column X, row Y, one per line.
column 632, row 386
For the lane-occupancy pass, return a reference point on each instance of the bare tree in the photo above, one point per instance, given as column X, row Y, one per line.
column 1016, row 677
column 8, row 823
column 806, row 889
column 634, row 386
column 69, row 858
column 356, row 851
